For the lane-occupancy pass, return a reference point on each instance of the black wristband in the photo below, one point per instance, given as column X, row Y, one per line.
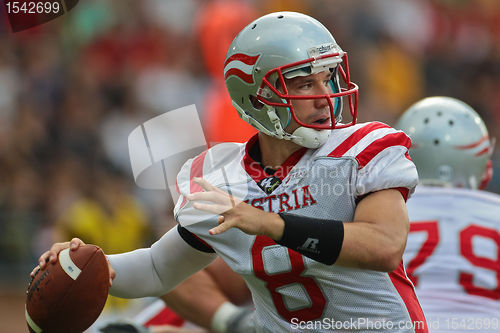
column 318, row 239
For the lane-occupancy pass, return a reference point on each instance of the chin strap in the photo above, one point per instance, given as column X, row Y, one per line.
column 309, row 137
column 303, row 136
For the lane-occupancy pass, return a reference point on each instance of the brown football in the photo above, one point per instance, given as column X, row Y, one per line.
column 69, row 295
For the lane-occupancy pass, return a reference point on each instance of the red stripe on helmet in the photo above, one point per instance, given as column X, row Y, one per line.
column 482, row 152
column 239, row 73
column 246, row 59
column 473, row 145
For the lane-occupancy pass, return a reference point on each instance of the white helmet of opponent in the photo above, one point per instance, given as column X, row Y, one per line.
column 450, row 143
column 286, row 45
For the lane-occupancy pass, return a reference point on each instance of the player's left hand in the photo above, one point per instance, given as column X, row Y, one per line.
column 235, row 213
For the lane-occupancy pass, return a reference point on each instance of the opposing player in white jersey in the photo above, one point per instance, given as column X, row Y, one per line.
column 310, row 211
column 453, row 249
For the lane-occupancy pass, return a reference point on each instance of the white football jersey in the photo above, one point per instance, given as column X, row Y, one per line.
column 453, row 257
column 291, row 292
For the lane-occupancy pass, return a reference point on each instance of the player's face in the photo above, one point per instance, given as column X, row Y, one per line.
column 310, row 111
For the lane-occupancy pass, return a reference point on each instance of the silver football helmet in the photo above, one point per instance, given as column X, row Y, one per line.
column 286, row 45
column 450, row 143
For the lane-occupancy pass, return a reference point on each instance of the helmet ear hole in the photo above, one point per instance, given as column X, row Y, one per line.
column 255, row 102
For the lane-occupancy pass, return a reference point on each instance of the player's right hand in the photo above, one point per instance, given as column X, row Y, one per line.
column 50, row 257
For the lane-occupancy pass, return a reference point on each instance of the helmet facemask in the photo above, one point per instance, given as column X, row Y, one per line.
column 274, row 94
column 269, row 93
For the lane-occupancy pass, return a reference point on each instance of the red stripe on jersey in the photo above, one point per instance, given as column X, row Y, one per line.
column 405, row 289
column 253, row 168
column 390, row 140
column 407, row 155
column 184, row 201
column 197, row 171
column 355, row 137
column 404, row 192
column 165, row 317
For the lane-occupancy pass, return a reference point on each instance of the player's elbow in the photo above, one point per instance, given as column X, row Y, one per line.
column 392, row 264
column 389, row 259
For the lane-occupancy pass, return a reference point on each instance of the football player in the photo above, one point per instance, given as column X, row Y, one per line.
column 310, row 211
column 453, row 250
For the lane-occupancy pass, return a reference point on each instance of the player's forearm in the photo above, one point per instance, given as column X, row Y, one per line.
column 196, row 299
column 273, row 226
column 367, row 247
column 375, row 240
column 157, row 270
column 135, row 275
column 377, row 237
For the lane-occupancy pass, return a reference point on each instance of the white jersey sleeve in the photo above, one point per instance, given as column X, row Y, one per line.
column 156, row 270
column 381, row 155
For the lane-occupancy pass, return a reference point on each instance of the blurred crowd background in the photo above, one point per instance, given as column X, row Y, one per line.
column 73, row 89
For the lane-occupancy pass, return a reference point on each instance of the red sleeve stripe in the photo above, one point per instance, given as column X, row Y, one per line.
column 355, row 137
column 393, row 139
column 197, row 171
column 404, row 192
column 407, row 155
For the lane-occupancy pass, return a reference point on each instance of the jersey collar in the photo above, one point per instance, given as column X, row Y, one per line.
column 255, row 170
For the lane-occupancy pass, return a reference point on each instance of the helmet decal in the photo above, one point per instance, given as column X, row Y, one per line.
column 240, row 65
column 485, row 150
